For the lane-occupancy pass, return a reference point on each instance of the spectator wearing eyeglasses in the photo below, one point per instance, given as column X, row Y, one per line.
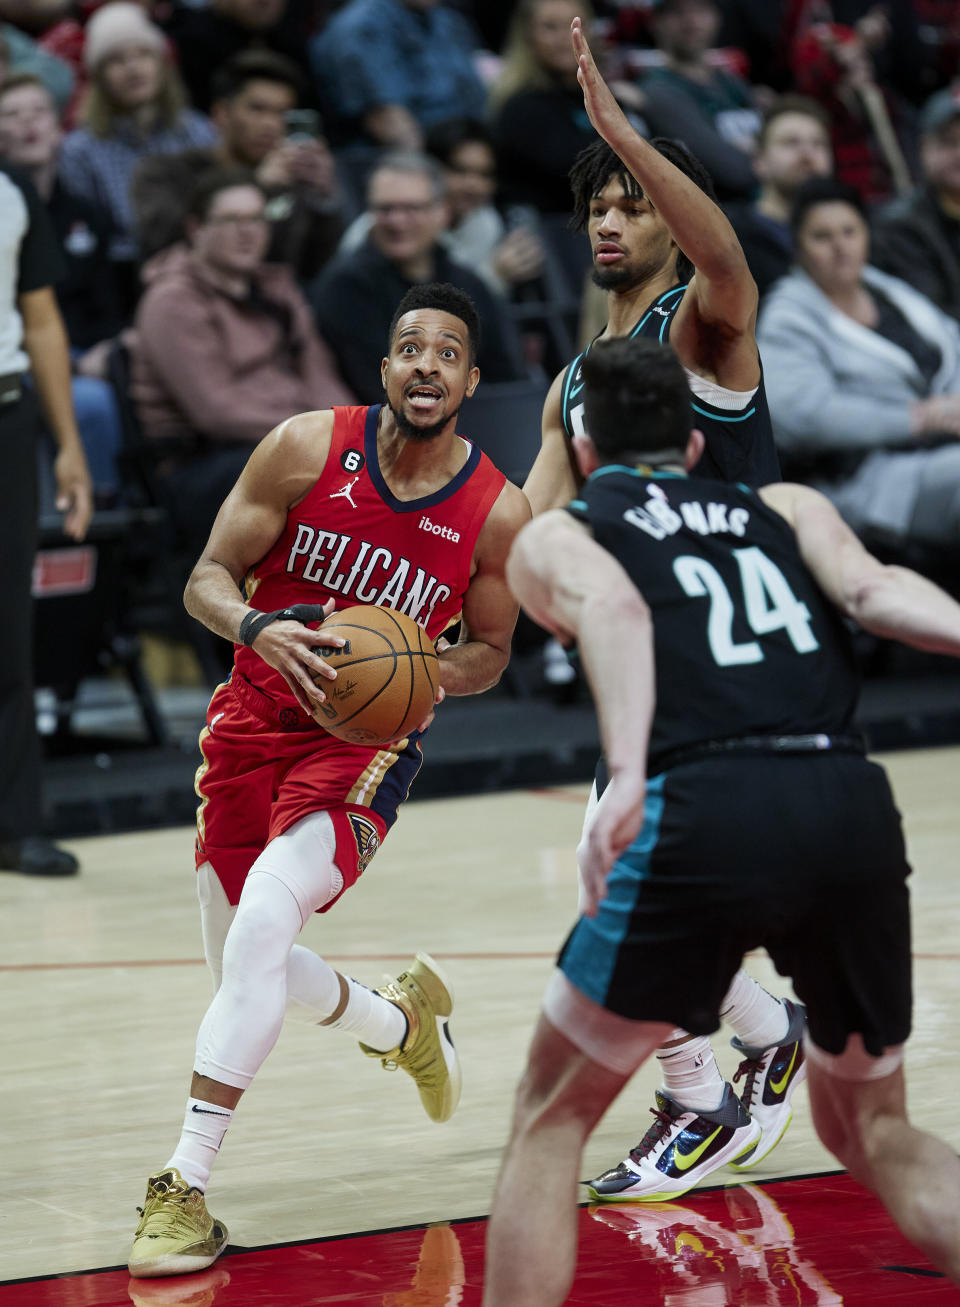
column 225, row 349
column 478, row 235
column 356, row 294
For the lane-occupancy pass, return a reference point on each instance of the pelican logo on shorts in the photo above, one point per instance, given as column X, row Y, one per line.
column 367, row 837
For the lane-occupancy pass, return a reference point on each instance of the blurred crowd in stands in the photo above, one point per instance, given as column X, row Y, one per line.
column 243, row 189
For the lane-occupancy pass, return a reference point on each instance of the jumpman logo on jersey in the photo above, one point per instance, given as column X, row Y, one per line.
column 345, row 492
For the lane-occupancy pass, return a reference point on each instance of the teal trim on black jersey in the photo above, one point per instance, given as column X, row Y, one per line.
column 590, row 955
column 648, row 474
column 738, row 444
column 657, row 303
column 569, row 392
column 612, row 467
column 724, row 415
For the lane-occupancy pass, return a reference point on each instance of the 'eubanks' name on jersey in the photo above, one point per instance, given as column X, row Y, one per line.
column 660, row 520
column 370, row 574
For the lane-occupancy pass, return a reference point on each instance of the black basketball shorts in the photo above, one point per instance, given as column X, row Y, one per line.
column 800, row 855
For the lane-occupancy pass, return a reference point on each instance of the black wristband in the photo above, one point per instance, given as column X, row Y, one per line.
column 254, row 622
column 252, row 625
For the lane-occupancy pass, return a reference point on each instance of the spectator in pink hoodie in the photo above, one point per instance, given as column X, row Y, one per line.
column 225, row 349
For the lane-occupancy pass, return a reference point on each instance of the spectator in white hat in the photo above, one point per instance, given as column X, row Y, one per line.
column 135, row 105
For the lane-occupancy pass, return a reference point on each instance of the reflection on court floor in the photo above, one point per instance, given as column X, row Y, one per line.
column 813, row 1241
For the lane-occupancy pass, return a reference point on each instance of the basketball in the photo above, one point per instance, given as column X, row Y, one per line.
column 387, row 675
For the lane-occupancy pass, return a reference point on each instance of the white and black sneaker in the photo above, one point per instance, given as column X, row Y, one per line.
column 681, row 1148
column 772, row 1074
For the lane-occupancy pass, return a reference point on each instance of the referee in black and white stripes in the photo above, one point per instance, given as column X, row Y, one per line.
column 32, row 339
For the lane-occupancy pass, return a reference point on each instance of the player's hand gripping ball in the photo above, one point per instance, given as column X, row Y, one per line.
column 387, row 675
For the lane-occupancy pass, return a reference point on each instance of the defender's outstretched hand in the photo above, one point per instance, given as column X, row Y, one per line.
column 602, row 109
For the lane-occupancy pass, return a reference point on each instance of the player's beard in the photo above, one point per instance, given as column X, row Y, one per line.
column 414, row 432
column 624, row 278
column 615, row 278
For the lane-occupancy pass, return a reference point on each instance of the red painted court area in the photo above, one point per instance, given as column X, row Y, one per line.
column 814, row 1241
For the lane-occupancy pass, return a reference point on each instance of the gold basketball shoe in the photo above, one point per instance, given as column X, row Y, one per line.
column 427, row 1053
column 176, row 1234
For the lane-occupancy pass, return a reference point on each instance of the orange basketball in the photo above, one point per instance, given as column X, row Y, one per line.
column 387, row 675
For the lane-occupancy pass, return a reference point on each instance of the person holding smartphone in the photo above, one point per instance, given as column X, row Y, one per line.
column 256, row 109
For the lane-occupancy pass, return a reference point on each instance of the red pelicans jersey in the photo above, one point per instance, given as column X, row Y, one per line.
column 352, row 540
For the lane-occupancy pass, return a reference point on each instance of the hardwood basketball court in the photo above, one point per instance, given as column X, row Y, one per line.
column 104, row 986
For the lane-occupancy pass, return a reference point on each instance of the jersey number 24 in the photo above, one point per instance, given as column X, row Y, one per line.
column 768, row 603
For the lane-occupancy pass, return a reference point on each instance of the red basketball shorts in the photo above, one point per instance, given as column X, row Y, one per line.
column 258, row 777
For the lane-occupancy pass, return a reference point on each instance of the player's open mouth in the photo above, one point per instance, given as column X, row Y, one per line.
column 424, row 397
column 607, row 252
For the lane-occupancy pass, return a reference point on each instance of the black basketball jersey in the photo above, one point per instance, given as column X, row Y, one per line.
column 745, row 642
column 739, row 445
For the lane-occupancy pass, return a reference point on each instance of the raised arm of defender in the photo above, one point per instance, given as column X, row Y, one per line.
column 723, row 294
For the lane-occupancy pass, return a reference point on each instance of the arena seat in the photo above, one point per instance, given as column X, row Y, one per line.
column 164, row 559
column 503, row 417
column 81, row 627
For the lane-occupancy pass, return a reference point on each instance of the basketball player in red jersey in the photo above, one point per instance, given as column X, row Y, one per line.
column 334, row 508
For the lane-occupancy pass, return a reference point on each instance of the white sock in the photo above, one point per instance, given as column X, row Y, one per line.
column 690, row 1073
column 758, row 1019
column 372, row 1018
column 204, row 1125
column 314, row 991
